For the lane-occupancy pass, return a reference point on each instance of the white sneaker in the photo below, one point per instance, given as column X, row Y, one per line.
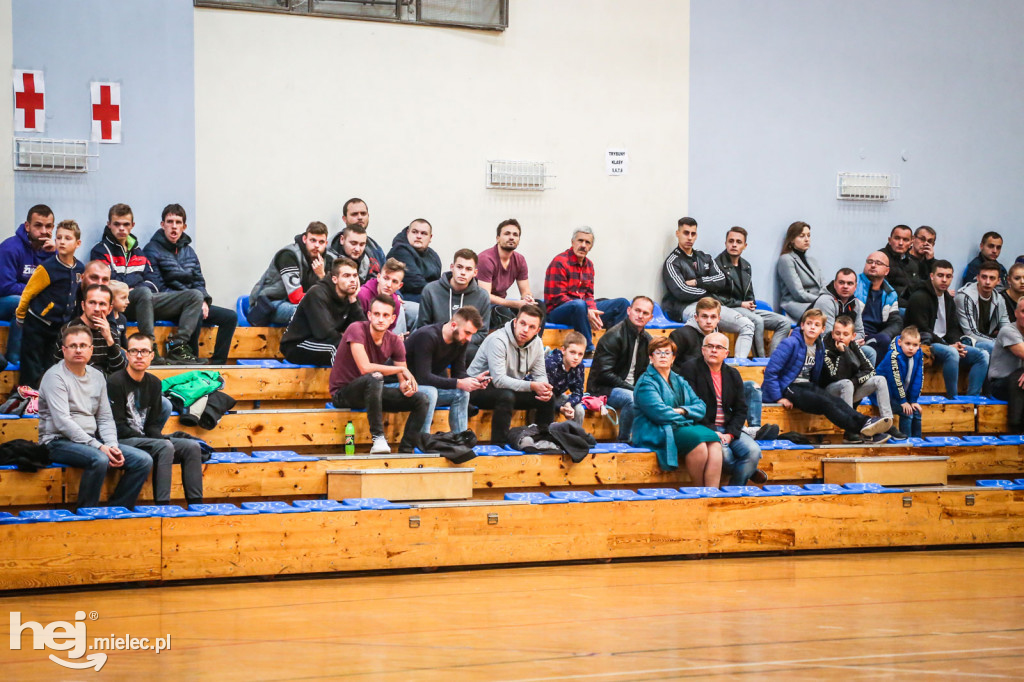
column 380, row 446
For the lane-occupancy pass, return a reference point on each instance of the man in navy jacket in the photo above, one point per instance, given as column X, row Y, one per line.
column 20, row 255
column 176, row 267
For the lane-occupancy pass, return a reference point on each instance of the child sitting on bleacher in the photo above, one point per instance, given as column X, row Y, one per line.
column 565, row 373
column 903, row 369
column 118, row 322
column 48, row 302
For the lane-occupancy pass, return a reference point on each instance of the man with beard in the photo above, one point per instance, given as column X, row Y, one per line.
column 323, row 315
column 501, row 266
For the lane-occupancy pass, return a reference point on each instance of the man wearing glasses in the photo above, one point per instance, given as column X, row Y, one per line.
column 720, row 386
column 136, row 402
column 881, row 314
column 76, row 424
column 106, row 355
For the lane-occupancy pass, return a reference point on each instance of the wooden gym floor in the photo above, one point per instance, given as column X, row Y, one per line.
column 953, row 614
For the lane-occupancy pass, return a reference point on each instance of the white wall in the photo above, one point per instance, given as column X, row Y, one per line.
column 786, row 94
column 7, row 218
column 296, row 114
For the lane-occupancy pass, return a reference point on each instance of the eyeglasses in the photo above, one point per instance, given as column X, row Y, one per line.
column 871, row 261
column 662, row 353
column 715, row 347
column 139, row 352
column 926, row 241
column 78, row 346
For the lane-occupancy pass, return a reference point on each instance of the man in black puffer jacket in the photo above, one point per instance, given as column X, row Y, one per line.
column 619, row 360
column 176, row 268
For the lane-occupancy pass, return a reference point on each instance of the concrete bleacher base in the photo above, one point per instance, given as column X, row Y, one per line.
column 167, row 549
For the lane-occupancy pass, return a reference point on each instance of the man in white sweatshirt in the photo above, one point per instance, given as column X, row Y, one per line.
column 77, row 425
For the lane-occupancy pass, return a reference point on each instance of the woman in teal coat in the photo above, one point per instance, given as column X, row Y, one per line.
column 666, row 414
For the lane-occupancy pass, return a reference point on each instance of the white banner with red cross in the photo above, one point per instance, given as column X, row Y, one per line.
column 29, row 102
column 106, row 112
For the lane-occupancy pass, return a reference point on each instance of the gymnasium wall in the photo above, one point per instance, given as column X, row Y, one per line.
column 785, row 94
column 6, row 122
column 296, row 114
column 146, row 46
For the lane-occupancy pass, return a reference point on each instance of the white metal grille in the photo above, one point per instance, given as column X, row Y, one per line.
column 867, row 186
column 523, row 175
column 54, row 156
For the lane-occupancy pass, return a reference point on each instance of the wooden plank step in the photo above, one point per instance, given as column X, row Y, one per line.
column 893, row 471
column 424, row 483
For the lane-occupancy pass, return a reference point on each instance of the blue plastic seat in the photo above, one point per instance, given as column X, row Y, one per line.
column 495, row 451
column 552, row 325
column 242, row 310
column 660, row 321
column 264, row 363
column 793, row 490
column 324, row 505
column 871, row 488
column 534, row 498
column 10, row 416
column 281, row 456
column 275, row 507
column 991, row 483
column 827, row 489
column 373, row 503
column 9, row 519
column 982, row 440
column 667, row 494
column 943, row 441
column 748, row 490
column 111, row 513
column 588, row 362
column 624, row 495
column 1012, row 439
column 618, row 447
column 222, row 509
column 169, row 511
column 578, row 496
column 707, row 491
column 330, row 406
column 52, row 515
column 12, row 366
column 763, row 305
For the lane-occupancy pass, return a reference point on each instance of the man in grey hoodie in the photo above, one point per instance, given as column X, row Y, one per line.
column 456, row 289
column 514, row 356
column 980, row 308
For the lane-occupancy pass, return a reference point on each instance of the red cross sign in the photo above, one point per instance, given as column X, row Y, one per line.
column 106, row 112
column 29, row 102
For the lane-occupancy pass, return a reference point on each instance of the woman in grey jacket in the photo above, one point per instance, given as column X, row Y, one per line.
column 797, row 274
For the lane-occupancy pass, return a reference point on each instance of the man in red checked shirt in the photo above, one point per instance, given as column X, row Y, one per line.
column 569, row 291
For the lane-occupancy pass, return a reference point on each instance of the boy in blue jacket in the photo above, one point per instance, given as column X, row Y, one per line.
column 791, row 379
column 903, row 369
column 48, row 302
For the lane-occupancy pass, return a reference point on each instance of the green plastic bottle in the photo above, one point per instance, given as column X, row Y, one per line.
column 350, row 438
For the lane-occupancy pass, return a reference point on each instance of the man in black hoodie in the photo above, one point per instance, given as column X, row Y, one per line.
column 933, row 311
column 457, row 289
column 323, row 315
column 898, row 251
column 146, row 302
column 422, row 264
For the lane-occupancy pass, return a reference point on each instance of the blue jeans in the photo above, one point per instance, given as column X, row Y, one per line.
column 8, row 306
column 753, row 395
column 457, row 399
column 987, row 346
column 871, row 354
column 136, row 468
column 911, row 425
column 283, row 311
column 976, row 359
column 740, row 457
column 622, row 400
column 574, row 314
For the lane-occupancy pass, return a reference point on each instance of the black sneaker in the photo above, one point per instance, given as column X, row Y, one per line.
column 875, row 425
column 759, row 477
column 183, row 355
column 853, row 438
column 879, row 438
column 896, row 434
column 158, row 360
column 767, row 432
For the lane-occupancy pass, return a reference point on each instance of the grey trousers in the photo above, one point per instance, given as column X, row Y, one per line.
column 183, row 307
column 766, row 319
column 844, row 389
column 165, row 452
